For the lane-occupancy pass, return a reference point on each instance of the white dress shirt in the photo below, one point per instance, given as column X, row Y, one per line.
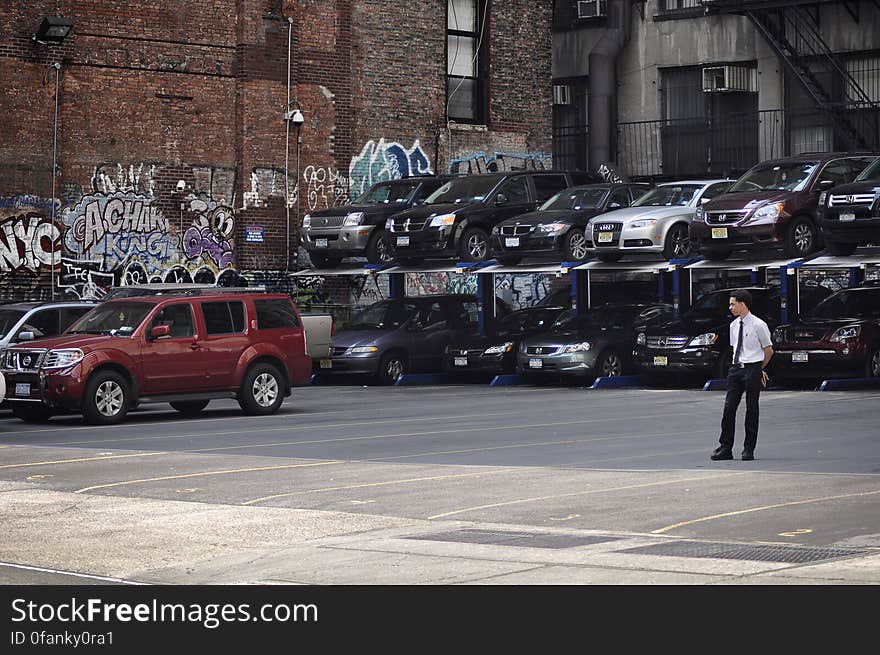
column 756, row 337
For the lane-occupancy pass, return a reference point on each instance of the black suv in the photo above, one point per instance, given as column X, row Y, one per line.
column 558, row 227
column 459, row 216
column 358, row 229
column 849, row 214
column 699, row 342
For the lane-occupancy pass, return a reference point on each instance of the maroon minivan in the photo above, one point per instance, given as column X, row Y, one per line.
column 773, row 205
column 183, row 350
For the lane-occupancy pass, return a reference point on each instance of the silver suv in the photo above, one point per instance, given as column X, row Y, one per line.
column 26, row 321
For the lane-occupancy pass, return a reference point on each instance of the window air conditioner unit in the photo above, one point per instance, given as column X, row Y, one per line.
column 725, row 79
column 592, row 8
column 561, row 94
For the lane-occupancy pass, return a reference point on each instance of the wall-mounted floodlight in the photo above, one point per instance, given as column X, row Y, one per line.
column 53, row 29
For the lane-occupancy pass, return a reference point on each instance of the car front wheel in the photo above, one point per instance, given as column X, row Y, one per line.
column 391, row 368
column 107, row 398
column 574, row 248
column 872, row 368
column 610, row 365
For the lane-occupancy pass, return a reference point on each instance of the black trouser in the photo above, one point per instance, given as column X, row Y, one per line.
column 748, row 380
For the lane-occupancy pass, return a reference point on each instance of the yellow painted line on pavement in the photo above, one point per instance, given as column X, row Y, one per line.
column 761, row 509
column 205, row 473
column 377, row 484
column 574, row 493
column 81, row 459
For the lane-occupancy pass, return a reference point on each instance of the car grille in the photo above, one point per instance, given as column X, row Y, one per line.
column 408, row 225
column 543, row 350
column 667, row 343
column 465, row 352
column 336, row 351
column 327, row 221
column 725, row 217
column 515, row 230
column 851, row 199
column 23, row 360
column 614, row 228
column 803, row 335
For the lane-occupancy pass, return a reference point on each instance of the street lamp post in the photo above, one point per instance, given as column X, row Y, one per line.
column 296, row 117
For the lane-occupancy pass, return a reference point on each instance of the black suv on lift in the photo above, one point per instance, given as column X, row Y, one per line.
column 558, row 227
column 849, row 214
column 358, row 229
column 457, row 218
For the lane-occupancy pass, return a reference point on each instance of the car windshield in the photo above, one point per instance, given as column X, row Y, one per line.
column 781, row 177
column 463, row 189
column 386, row 193
column 849, row 303
column 713, row 304
column 118, row 319
column 8, row 319
column 527, row 321
column 384, row 315
column 872, row 172
column 576, row 199
column 604, row 316
column 665, row 196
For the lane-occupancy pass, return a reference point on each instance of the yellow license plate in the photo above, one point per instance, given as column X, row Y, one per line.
column 719, row 232
column 660, row 361
column 606, row 237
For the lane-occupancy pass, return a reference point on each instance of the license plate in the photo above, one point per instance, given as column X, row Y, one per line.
column 461, row 361
column 800, row 356
column 847, row 217
column 606, row 237
column 719, row 232
column 402, row 241
column 326, row 363
column 536, row 363
column 660, row 361
column 22, row 389
column 512, row 242
column 320, row 243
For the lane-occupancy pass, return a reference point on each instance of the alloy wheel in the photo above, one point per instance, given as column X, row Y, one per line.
column 803, row 238
column 477, row 247
column 394, row 369
column 681, row 246
column 611, row 365
column 578, row 246
column 875, row 364
column 109, row 397
column 265, row 389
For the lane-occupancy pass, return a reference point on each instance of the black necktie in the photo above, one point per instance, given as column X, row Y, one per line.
column 739, row 343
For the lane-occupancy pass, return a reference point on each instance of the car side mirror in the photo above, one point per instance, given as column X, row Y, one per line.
column 703, row 201
column 160, row 331
column 500, row 199
column 824, row 185
column 26, row 336
column 614, row 205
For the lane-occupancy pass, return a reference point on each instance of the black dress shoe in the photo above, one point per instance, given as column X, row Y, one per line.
column 722, row 452
column 748, row 455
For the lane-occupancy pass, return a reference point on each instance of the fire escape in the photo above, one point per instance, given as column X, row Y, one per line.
column 792, row 31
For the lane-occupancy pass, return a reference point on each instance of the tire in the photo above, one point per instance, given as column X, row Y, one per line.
column 677, row 244
column 474, row 245
column 610, row 256
column 378, row 249
column 391, row 367
column 872, row 363
column 574, row 246
column 190, row 407
column 716, row 255
column 801, row 237
column 262, row 390
column 839, row 249
column 320, row 260
column 509, row 260
column 31, row 413
column 107, row 398
column 610, row 364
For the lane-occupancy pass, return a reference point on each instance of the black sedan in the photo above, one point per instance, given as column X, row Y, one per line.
column 495, row 353
column 589, row 343
column 556, row 229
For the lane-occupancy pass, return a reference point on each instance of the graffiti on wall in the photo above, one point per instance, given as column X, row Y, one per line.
column 382, row 160
column 28, row 242
column 269, row 182
column 520, row 291
column 482, row 162
column 423, row 284
column 326, row 187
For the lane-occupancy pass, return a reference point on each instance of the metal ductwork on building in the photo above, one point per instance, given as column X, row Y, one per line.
column 602, row 85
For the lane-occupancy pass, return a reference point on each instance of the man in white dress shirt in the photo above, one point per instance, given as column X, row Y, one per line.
column 750, row 341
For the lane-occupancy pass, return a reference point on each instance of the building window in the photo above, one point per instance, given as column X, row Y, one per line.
column 465, row 60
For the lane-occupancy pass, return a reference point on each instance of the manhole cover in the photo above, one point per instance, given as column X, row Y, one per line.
column 757, row 553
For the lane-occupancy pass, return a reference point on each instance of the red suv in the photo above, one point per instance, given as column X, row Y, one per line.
column 182, row 350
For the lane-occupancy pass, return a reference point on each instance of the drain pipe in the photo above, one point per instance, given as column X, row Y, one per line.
column 602, row 85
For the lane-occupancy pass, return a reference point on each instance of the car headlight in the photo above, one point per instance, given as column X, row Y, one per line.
column 505, row 347
column 307, row 220
column 363, row 349
column 551, row 228
column 848, row 332
column 577, row 347
column 706, row 339
column 352, row 219
column 822, row 197
column 768, row 212
column 778, row 335
column 642, row 339
column 62, row 358
column 645, row 222
column 441, row 220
